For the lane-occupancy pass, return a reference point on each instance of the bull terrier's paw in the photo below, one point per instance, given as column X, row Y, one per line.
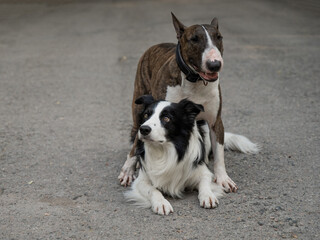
column 208, row 200
column 162, row 207
column 126, row 176
column 223, row 180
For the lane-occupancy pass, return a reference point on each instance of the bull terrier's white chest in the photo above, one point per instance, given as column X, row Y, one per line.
column 208, row 96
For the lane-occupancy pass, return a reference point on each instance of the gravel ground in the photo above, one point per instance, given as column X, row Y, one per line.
column 66, row 81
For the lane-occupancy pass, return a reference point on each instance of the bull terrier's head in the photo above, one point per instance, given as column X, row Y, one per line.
column 201, row 48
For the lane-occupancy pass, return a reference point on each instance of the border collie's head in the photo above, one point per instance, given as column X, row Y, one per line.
column 163, row 121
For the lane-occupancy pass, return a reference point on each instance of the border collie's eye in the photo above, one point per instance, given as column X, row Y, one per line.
column 166, row 119
column 145, row 116
column 195, row 39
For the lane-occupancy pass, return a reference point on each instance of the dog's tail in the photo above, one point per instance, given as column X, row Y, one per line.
column 240, row 143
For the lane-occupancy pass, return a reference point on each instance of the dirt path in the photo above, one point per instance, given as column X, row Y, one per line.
column 66, row 79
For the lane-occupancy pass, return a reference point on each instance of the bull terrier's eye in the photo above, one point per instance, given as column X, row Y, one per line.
column 166, row 119
column 219, row 37
column 195, row 38
column 145, row 116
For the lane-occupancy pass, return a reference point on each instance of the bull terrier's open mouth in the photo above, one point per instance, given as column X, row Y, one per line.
column 207, row 76
column 210, row 77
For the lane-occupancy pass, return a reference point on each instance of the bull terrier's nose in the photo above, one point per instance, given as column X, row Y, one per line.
column 214, row 66
column 145, row 130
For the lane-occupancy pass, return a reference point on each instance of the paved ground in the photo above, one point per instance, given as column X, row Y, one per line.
column 66, row 81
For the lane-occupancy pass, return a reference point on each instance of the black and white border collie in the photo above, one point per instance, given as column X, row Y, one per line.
column 173, row 151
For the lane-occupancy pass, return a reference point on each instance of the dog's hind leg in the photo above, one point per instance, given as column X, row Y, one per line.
column 126, row 175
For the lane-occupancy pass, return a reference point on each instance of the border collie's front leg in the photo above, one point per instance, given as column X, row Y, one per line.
column 144, row 194
column 221, row 176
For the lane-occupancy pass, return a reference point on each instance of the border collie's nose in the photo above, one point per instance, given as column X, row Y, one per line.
column 145, row 130
column 213, row 66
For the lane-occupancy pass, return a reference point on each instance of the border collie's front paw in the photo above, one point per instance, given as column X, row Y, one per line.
column 162, row 207
column 126, row 176
column 226, row 182
column 208, row 200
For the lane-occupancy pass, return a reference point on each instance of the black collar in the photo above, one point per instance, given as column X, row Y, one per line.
column 190, row 74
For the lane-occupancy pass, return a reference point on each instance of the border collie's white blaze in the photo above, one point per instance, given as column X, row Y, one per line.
column 153, row 124
column 173, row 157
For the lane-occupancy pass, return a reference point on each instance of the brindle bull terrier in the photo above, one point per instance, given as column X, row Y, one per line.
column 189, row 69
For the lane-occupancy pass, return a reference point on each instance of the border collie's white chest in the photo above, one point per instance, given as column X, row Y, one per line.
column 164, row 170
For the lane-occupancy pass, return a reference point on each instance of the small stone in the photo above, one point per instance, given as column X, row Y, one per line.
column 278, row 208
column 122, row 59
column 262, row 211
column 260, row 223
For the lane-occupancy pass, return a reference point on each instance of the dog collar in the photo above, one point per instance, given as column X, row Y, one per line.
column 190, row 74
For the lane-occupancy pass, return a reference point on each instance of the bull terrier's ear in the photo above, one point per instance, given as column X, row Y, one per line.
column 214, row 23
column 178, row 26
column 145, row 99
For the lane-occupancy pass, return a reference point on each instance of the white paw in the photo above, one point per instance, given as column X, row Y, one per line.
column 126, row 175
column 208, row 200
column 162, row 207
column 223, row 180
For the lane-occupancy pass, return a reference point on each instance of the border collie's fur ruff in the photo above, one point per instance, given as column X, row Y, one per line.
column 173, row 151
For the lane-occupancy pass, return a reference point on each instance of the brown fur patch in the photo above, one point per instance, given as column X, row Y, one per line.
column 218, row 126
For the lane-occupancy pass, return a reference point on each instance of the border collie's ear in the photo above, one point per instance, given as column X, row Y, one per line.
column 145, row 99
column 191, row 108
column 178, row 26
column 214, row 23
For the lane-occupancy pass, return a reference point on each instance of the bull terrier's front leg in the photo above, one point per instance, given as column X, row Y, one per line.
column 221, row 177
